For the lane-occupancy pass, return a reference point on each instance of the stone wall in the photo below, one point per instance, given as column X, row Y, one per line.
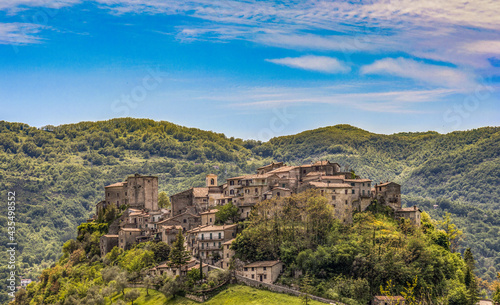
column 281, row 289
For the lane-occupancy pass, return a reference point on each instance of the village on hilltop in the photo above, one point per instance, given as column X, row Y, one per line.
column 193, row 211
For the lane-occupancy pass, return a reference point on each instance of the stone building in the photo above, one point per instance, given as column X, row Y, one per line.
column 107, row 243
column 413, row 214
column 208, row 218
column 388, row 193
column 263, row 271
column 227, row 254
column 168, row 234
column 206, row 241
column 172, row 271
column 128, row 237
column 138, row 192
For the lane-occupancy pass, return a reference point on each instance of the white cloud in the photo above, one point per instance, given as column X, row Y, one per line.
column 313, row 63
column 19, row 33
column 483, row 47
column 17, row 5
column 422, row 72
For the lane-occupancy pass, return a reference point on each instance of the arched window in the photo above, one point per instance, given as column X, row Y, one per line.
column 212, row 181
column 278, row 194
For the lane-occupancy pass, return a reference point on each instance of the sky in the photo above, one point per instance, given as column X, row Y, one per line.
column 253, row 69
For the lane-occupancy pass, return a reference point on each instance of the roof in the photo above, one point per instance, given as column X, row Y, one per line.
column 263, row 264
column 387, row 183
column 282, row 188
column 197, row 266
column 270, row 165
column 229, row 241
column 252, row 176
column 212, row 211
column 330, row 185
column 116, row 184
column 282, row 169
column 212, row 228
column 172, row 227
column 411, row 209
column 200, row 191
column 131, row 229
column 110, row 236
column 357, row 180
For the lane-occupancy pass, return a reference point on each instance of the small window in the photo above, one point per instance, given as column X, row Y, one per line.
column 253, row 268
column 265, row 268
column 184, row 220
column 212, row 181
column 246, row 269
column 265, row 276
column 353, row 191
column 346, row 192
column 352, row 183
column 334, row 198
column 253, row 275
column 346, row 202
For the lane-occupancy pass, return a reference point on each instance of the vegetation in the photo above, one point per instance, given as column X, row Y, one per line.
column 351, row 263
column 58, row 174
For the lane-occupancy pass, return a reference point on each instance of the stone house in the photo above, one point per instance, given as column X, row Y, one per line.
column 208, row 218
column 168, row 234
column 388, row 193
column 172, row 271
column 138, row 191
column 413, row 214
column 263, row 271
column 107, row 243
column 206, row 241
column 187, row 220
column 227, row 254
column 128, row 237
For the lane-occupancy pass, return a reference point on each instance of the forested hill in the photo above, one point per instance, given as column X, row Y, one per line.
column 58, row 173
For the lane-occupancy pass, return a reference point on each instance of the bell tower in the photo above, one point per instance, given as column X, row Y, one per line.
column 211, row 180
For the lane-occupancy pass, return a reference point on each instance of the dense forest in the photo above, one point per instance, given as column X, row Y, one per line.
column 59, row 174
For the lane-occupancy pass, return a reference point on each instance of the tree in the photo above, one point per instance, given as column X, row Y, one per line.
column 228, row 212
column 453, row 234
column 163, row 200
column 409, row 293
column 132, row 295
column 148, row 281
column 161, row 251
column 496, row 290
column 469, row 278
column 306, row 289
column 178, row 254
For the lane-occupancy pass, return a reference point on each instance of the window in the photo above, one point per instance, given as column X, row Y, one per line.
column 202, row 236
column 253, row 268
column 346, row 202
column 278, row 194
column 283, row 185
column 231, row 192
column 125, row 193
column 227, row 255
column 253, row 275
column 265, row 276
column 212, row 181
column 346, row 192
column 265, row 268
column 210, row 235
column 117, row 194
column 231, row 182
column 210, row 220
column 363, row 192
column 352, row 183
column 353, row 191
column 184, row 220
column 220, row 235
column 246, row 269
column 108, row 194
column 334, row 198
column 304, row 171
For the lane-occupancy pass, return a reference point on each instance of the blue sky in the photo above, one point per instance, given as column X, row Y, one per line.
column 253, row 69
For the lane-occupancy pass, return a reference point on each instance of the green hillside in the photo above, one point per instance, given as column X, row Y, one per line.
column 58, row 173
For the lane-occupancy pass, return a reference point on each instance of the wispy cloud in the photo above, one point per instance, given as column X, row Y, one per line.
column 483, row 47
column 13, row 6
column 397, row 101
column 19, row 33
column 421, row 72
column 313, row 63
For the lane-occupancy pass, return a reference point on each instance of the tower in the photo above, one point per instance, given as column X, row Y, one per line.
column 211, row 180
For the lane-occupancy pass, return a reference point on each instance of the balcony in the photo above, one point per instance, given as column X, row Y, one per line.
column 214, row 238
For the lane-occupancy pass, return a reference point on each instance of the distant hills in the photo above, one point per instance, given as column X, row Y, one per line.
column 58, row 172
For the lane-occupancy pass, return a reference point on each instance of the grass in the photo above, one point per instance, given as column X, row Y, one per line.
column 239, row 294
column 234, row 294
column 154, row 298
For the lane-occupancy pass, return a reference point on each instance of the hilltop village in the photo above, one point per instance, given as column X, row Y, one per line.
column 193, row 211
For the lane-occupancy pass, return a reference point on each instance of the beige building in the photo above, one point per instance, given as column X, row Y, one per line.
column 206, row 241
column 227, row 254
column 169, row 233
column 388, row 193
column 172, row 271
column 413, row 214
column 128, row 237
column 138, row 191
column 264, row 271
column 107, row 243
column 208, row 218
